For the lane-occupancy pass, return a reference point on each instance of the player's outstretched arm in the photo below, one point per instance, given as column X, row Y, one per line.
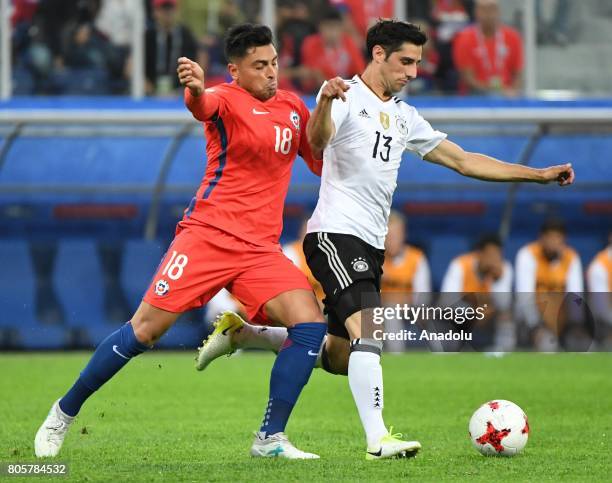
column 484, row 167
column 320, row 128
column 191, row 75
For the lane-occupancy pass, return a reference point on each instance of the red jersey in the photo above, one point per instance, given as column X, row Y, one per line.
column 344, row 61
column 366, row 14
column 251, row 146
column 497, row 59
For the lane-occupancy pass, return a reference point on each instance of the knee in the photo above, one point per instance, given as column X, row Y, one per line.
column 356, row 297
column 306, row 311
column 309, row 313
column 295, row 308
column 150, row 323
column 147, row 329
column 143, row 330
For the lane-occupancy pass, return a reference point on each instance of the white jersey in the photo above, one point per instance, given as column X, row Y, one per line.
column 361, row 162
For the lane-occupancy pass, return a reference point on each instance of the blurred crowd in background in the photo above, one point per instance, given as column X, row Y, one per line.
column 83, row 46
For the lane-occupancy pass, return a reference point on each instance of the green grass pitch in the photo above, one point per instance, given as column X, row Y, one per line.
column 160, row 420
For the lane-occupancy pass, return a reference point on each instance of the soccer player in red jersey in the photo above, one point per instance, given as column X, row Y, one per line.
column 228, row 237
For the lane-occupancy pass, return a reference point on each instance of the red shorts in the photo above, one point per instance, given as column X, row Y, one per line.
column 202, row 259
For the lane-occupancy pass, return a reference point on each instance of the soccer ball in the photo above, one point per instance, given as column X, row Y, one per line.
column 499, row 427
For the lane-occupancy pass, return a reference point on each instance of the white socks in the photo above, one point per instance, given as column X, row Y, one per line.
column 259, row 337
column 366, row 382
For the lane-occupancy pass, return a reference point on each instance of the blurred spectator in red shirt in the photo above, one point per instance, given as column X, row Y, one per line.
column 449, row 18
column 363, row 14
column 294, row 25
column 426, row 81
column 332, row 52
column 23, row 11
column 489, row 55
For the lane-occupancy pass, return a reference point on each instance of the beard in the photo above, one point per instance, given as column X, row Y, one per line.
column 264, row 94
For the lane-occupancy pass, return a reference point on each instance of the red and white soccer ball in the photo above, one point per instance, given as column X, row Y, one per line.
column 499, row 427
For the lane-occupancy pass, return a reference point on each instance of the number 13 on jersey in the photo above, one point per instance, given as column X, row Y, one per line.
column 384, row 154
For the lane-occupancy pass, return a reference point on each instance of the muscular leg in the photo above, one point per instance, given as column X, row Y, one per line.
column 337, row 352
column 353, row 325
column 294, row 307
column 146, row 327
column 299, row 312
column 150, row 323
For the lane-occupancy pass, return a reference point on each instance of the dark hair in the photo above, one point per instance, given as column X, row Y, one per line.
column 553, row 224
column 331, row 15
column 488, row 239
column 391, row 34
column 240, row 38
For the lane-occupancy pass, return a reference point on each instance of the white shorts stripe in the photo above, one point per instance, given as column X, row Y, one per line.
column 337, row 257
column 334, row 260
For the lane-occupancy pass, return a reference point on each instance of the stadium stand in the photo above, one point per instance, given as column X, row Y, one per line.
column 19, row 327
column 78, row 279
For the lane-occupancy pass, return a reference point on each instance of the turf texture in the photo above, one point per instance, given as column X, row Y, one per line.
column 160, row 420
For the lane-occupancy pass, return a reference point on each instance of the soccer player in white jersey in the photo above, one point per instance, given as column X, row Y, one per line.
column 362, row 130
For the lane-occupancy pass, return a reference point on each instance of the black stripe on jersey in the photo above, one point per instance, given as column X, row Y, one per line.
column 397, row 101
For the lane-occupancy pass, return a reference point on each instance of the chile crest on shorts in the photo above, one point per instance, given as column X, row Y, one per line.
column 162, row 287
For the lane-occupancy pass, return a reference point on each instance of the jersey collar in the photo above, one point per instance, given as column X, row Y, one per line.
column 372, row 94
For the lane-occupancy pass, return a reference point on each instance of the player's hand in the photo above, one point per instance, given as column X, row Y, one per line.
column 562, row 174
column 335, row 89
column 191, row 75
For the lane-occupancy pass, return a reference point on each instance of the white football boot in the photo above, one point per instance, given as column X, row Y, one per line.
column 392, row 446
column 219, row 343
column 278, row 446
column 51, row 434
